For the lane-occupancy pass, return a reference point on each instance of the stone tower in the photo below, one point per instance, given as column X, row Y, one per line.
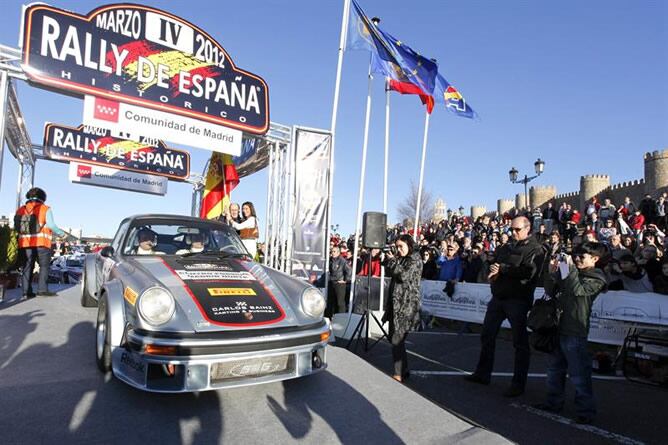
column 477, row 212
column 439, row 211
column 656, row 171
column 590, row 186
column 504, row 205
column 519, row 201
column 540, row 195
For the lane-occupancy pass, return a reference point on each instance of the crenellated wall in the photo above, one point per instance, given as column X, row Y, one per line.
column 519, row 201
column 590, row 186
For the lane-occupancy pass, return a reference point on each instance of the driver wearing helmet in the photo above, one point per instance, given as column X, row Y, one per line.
column 147, row 239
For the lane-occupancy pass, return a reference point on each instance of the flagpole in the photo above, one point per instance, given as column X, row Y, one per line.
column 385, row 174
column 424, row 155
column 360, row 199
column 335, row 107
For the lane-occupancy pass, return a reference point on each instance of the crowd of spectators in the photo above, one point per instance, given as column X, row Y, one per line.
column 459, row 249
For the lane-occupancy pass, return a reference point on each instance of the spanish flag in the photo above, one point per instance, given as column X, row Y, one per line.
column 221, row 179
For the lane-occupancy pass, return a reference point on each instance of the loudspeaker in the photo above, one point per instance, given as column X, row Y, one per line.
column 374, row 228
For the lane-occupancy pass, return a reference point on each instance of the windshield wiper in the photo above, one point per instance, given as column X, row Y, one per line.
column 216, row 254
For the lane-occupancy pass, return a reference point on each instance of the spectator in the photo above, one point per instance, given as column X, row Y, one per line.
column 647, row 208
column 542, row 234
column 375, row 264
column 660, row 284
column 450, row 264
column 402, row 309
column 513, row 278
column 628, row 208
column 429, row 267
column 629, row 242
column 616, row 248
column 637, row 222
column 550, row 218
column 576, row 295
column 607, row 210
column 660, row 219
column 606, row 232
column 628, row 275
column 248, row 228
column 472, row 266
column 339, row 276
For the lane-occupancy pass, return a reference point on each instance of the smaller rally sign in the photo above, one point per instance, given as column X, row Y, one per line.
column 98, row 146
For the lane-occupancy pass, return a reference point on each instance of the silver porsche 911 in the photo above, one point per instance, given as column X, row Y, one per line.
column 182, row 307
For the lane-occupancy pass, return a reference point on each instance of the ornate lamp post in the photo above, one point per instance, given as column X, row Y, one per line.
column 539, row 166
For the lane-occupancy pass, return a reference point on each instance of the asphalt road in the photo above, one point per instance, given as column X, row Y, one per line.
column 628, row 413
column 51, row 392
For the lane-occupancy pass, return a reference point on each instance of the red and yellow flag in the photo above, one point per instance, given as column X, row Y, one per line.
column 221, row 179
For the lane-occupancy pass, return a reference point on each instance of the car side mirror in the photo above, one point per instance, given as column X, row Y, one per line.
column 107, row 252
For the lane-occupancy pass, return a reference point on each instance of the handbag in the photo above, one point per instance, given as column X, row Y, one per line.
column 251, row 233
column 543, row 321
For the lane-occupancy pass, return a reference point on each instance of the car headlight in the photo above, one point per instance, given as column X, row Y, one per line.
column 313, row 303
column 156, row 306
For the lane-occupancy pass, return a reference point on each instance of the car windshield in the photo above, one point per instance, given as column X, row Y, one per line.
column 183, row 238
column 74, row 263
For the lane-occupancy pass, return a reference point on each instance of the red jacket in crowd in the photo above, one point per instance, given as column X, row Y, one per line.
column 637, row 221
column 375, row 267
column 576, row 217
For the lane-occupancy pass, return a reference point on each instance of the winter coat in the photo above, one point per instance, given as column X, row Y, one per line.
column 402, row 310
column 339, row 270
column 520, row 267
column 576, row 294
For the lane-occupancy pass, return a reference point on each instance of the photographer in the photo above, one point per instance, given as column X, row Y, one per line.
column 402, row 309
column 575, row 288
column 513, row 280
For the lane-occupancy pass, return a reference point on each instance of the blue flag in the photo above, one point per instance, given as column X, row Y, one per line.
column 390, row 56
column 453, row 100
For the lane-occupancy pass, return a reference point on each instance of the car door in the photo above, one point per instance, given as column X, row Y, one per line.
column 104, row 265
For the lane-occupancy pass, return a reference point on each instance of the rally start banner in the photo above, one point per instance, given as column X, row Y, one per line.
column 97, row 146
column 143, row 56
column 610, row 312
column 312, row 156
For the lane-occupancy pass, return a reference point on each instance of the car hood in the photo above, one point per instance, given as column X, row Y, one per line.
column 217, row 294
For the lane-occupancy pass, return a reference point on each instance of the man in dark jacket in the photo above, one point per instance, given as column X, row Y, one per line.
column 339, row 275
column 576, row 293
column 513, row 280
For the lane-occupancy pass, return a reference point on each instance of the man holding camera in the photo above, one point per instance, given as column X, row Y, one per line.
column 513, row 279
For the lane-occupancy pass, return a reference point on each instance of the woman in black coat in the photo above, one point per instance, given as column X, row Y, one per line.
column 402, row 309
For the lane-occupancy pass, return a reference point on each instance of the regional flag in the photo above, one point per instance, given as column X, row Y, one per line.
column 390, row 56
column 454, row 101
column 221, row 179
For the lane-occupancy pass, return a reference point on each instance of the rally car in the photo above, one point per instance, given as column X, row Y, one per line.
column 66, row 269
column 182, row 307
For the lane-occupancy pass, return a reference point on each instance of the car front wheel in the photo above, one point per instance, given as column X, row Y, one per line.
column 102, row 339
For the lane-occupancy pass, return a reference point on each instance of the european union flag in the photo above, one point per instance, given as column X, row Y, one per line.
column 390, row 56
column 454, row 101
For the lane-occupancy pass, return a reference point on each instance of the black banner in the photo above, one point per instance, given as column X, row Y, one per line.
column 226, row 293
column 96, row 146
column 142, row 56
column 312, row 154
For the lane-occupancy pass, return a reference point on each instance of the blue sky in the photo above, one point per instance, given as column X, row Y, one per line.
column 583, row 85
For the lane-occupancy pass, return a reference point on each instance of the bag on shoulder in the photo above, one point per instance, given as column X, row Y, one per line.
column 252, row 233
column 544, row 342
column 26, row 224
column 544, row 316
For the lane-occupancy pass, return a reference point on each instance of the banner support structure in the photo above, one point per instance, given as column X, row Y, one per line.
column 360, row 199
column 335, row 107
column 420, row 184
column 385, row 175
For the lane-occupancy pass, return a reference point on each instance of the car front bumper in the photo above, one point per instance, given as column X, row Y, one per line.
column 172, row 364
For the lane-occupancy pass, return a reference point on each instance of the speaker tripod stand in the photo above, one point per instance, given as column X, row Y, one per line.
column 367, row 315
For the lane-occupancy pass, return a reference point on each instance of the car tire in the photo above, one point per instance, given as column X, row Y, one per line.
column 102, row 339
column 66, row 279
column 86, row 299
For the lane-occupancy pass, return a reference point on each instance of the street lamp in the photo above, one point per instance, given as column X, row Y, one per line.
column 539, row 167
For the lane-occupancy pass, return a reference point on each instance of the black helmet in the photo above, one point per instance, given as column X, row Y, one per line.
column 36, row 193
